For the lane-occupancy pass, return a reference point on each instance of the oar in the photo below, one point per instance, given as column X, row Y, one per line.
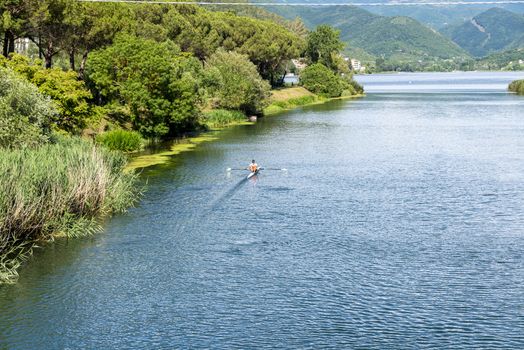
column 229, row 169
column 261, row 168
column 279, row 169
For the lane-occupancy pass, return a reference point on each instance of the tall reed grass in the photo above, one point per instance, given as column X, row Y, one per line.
column 219, row 118
column 59, row 188
column 121, row 140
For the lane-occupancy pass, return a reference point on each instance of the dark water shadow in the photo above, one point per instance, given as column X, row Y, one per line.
column 227, row 195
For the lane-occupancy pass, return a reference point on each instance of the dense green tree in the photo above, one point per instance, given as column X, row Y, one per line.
column 49, row 25
column 234, row 83
column 323, row 45
column 267, row 44
column 94, row 26
column 25, row 113
column 152, row 85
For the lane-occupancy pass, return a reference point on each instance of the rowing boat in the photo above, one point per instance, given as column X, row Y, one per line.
column 250, row 175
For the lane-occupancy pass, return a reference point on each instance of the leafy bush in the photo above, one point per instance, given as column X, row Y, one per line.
column 120, row 140
column 220, row 117
column 234, row 83
column 319, row 79
column 57, row 188
column 24, row 113
column 353, row 86
column 152, row 85
column 517, row 86
column 69, row 94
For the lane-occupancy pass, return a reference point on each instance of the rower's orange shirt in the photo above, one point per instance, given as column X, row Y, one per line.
column 253, row 167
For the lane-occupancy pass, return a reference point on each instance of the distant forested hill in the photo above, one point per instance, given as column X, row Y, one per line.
column 398, row 38
column 492, row 31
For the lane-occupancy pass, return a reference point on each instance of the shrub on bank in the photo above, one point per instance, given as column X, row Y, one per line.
column 57, row 188
column 320, row 80
column 121, row 140
column 220, row 117
column 69, row 95
column 352, row 87
column 517, row 86
column 25, row 114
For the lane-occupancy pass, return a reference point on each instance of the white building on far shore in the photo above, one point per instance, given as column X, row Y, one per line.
column 357, row 66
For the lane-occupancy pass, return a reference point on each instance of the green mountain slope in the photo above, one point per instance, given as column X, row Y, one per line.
column 491, row 31
column 399, row 38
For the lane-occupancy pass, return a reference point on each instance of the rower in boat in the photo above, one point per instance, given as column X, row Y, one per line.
column 253, row 168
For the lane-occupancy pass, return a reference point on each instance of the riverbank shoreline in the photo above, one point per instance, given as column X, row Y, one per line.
column 287, row 99
column 283, row 100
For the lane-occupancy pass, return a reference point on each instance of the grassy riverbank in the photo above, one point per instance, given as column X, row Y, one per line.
column 294, row 97
column 517, row 86
column 58, row 189
column 290, row 98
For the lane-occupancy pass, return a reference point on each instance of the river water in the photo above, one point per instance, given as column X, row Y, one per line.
column 399, row 223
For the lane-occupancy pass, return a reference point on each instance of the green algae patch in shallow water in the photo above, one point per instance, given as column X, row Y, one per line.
column 178, row 146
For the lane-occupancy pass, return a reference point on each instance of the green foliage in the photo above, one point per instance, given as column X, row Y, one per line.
column 234, row 83
column 120, row 140
column 351, row 87
column 24, row 113
column 57, row 188
column 320, row 80
column 517, row 86
column 69, row 94
column 323, row 44
column 219, row 118
column 152, row 85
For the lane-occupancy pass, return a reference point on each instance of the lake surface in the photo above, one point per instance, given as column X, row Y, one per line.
column 399, row 224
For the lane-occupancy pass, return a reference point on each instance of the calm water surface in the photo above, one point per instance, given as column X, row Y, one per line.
column 399, row 224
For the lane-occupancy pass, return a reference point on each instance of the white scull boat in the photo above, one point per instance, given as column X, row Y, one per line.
column 250, row 175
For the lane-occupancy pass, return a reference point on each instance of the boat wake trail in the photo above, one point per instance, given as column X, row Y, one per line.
column 227, row 195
